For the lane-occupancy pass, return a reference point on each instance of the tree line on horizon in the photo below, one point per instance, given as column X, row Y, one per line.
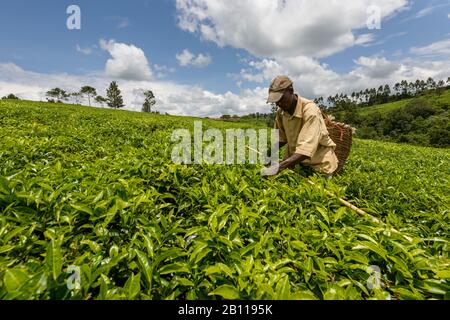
column 339, row 102
column 424, row 119
column 384, row 94
column 363, row 98
column 113, row 97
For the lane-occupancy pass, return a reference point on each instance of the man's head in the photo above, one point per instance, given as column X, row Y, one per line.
column 281, row 92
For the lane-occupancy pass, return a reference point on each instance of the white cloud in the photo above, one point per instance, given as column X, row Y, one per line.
column 375, row 67
column 424, row 12
column 86, row 51
column 440, row 48
column 287, row 28
column 128, row 62
column 162, row 71
column 186, row 58
column 365, row 39
column 171, row 97
column 313, row 79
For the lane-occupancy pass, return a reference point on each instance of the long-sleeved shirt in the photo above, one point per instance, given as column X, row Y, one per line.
column 305, row 133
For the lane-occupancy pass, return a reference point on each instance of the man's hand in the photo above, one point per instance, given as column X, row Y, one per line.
column 289, row 162
column 292, row 161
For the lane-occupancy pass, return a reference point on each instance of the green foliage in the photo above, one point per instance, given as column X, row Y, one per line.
column 89, row 92
column 101, row 100
column 57, row 95
column 114, row 97
column 432, row 99
column 149, row 102
column 10, row 97
column 96, row 190
column 366, row 99
column 420, row 121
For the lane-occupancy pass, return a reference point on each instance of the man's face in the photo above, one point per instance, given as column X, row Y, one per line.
column 286, row 100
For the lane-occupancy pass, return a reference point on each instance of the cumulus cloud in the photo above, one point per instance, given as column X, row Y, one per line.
column 308, row 28
column 440, row 48
column 313, row 79
column 162, row 71
column 128, row 62
column 171, row 97
column 186, row 58
column 376, row 67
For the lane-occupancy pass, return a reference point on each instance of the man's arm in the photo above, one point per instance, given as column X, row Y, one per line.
column 288, row 163
column 292, row 161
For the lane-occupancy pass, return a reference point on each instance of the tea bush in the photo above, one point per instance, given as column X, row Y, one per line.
column 90, row 197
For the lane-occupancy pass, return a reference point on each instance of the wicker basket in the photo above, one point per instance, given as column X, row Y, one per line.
column 342, row 135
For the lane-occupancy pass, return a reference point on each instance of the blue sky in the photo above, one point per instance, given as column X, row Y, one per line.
column 243, row 45
column 41, row 42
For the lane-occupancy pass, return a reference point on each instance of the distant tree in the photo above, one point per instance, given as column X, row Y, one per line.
column 423, row 86
column 440, row 137
column 76, row 96
column 352, row 117
column 440, row 87
column 431, row 84
column 386, row 93
column 100, row 100
column 320, row 103
column 397, row 89
column 89, row 92
column 399, row 121
column 149, row 102
column 57, row 93
column 114, row 97
column 404, row 87
column 273, row 114
column 412, row 89
column 10, row 97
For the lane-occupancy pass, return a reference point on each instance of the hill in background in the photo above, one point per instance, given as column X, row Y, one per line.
column 423, row 120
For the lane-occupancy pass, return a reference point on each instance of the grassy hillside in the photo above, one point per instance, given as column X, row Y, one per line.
column 94, row 190
column 434, row 99
column 424, row 120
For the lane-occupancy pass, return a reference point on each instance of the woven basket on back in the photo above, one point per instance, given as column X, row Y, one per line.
column 342, row 135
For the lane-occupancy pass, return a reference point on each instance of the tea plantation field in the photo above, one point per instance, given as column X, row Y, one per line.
column 92, row 207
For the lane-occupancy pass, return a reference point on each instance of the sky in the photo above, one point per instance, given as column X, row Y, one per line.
column 214, row 57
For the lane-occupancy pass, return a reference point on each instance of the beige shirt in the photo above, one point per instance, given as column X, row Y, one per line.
column 305, row 133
